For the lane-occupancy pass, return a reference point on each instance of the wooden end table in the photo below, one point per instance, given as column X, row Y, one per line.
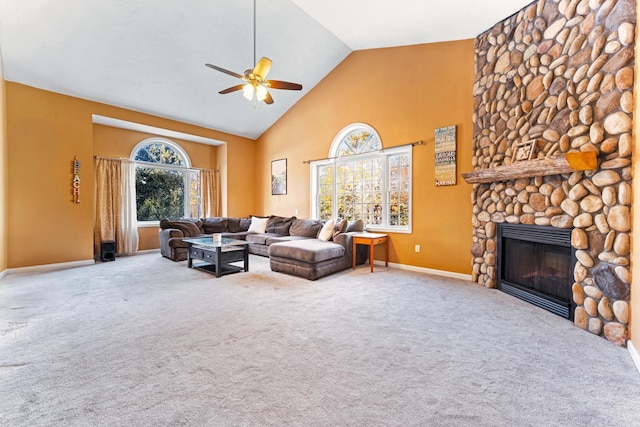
column 371, row 239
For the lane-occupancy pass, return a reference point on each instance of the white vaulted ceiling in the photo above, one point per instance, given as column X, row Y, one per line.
column 149, row 55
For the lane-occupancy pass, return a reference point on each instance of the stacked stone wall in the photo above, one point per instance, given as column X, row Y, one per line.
column 561, row 73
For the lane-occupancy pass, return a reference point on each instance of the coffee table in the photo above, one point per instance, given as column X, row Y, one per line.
column 217, row 256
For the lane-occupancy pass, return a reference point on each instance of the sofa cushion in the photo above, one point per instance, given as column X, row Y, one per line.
column 233, row 225
column 279, row 225
column 214, row 225
column 305, row 227
column 188, row 227
column 245, row 223
column 326, row 232
column 238, row 235
column 357, row 225
column 260, row 238
column 258, row 225
column 279, row 239
column 180, row 243
column 340, row 227
column 309, row 250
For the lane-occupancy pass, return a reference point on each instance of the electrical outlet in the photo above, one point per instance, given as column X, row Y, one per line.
column 417, row 248
column 296, row 212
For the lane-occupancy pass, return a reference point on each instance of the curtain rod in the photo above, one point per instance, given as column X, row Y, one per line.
column 382, row 150
column 133, row 161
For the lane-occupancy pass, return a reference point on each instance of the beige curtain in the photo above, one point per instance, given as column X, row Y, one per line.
column 209, row 197
column 127, row 234
column 115, row 205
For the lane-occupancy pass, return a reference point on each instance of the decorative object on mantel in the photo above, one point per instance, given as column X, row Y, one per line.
column 523, row 150
column 555, row 165
column 445, row 156
column 75, row 183
column 279, row 177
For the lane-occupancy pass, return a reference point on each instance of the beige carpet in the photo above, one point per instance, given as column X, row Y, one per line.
column 146, row 341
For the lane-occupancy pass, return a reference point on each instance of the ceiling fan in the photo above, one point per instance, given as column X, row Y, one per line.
column 255, row 79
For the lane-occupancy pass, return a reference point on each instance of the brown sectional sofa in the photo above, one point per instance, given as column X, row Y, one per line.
column 290, row 243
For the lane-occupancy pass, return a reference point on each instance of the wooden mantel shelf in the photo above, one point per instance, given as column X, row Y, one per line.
column 564, row 163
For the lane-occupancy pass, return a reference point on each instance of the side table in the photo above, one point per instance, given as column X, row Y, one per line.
column 371, row 239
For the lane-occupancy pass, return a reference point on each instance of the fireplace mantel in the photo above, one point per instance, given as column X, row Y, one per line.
column 564, row 163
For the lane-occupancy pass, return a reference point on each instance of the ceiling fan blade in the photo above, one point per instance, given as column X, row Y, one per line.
column 222, row 70
column 277, row 84
column 231, row 89
column 268, row 99
column 262, row 67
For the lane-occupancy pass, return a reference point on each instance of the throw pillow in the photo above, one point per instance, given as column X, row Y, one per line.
column 214, row 225
column 188, row 228
column 326, row 232
column 357, row 225
column 245, row 223
column 233, row 225
column 258, row 225
column 305, row 227
column 340, row 227
column 279, row 225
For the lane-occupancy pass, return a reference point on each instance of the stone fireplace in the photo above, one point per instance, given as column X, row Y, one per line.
column 554, row 80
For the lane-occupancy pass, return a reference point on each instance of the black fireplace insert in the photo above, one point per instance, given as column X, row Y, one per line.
column 535, row 264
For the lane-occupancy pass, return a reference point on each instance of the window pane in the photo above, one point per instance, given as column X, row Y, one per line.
column 159, row 194
column 358, row 141
column 399, row 189
column 194, row 194
column 325, row 191
column 159, row 153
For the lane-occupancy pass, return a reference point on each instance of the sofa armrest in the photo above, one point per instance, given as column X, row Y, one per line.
column 346, row 240
column 165, row 235
column 171, row 232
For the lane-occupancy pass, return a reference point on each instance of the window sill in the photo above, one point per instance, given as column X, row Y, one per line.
column 389, row 230
column 145, row 224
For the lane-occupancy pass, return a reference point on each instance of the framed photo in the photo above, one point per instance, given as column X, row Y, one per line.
column 278, row 177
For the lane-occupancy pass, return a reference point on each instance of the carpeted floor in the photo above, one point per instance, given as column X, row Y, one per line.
column 146, row 341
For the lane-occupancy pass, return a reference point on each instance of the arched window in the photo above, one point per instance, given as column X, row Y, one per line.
column 166, row 186
column 361, row 180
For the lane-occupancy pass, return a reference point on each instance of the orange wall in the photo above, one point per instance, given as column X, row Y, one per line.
column 114, row 142
column 3, row 176
column 405, row 93
column 45, row 130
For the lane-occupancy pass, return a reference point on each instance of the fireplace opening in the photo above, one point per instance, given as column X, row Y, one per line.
column 535, row 264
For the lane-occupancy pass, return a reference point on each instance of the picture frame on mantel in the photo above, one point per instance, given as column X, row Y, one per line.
column 279, row 177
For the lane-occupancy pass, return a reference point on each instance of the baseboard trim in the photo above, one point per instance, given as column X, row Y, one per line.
column 50, row 267
column 634, row 354
column 2, row 274
column 444, row 273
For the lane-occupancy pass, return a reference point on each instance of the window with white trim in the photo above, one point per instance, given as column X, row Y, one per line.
column 361, row 180
column 166, row 186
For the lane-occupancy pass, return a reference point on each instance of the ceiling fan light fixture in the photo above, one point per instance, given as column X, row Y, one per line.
column 247, row 91
column 256, row 78
column 261, row 92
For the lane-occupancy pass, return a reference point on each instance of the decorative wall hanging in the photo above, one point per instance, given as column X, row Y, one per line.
column 445, row 156
column 523, row 150
column 75, row 183
column 279, row 177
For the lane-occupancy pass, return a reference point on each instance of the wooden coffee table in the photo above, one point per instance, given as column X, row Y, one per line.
column 218, row 256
